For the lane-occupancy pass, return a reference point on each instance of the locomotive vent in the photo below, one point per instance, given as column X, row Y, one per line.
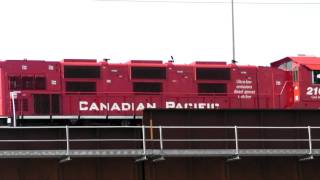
column 148, row 73
column 143, row 87
column 213, row 74
column 27, row 83
column 207, row 88
column 81, row 71
column 80, row 86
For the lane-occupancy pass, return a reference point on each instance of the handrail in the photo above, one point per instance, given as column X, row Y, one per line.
column 156, row 127
column 178, row 94
column 282, row 89
column 162, row 138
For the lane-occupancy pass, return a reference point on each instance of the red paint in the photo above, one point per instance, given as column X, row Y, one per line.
column 47, row 88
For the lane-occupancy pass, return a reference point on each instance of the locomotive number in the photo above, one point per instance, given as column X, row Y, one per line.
column 313, row 91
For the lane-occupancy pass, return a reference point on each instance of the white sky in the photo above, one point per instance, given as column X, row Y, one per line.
column 57, row 29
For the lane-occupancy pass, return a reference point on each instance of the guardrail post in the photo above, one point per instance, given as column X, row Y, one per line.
column 236, row 154
column 144, row 153
column 67, row 156
column 161, row 157
column 161, row 138
column 236, row 139
column 67, row 140
column 310, row 140
column 309, row 156
column 144, row 140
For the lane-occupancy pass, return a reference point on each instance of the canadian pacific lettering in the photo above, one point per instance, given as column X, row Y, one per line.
column 101, row 106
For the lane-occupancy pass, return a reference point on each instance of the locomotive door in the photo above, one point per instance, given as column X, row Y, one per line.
column 46, row 104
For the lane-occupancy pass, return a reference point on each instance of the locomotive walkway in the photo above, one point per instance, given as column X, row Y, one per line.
column 158, row 142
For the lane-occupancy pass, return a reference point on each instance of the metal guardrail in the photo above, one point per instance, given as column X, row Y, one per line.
column 143, row 141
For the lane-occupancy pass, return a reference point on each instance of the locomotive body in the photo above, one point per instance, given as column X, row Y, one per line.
column 87, row 89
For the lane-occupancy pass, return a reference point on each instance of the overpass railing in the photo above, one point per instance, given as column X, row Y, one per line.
column 159, row 141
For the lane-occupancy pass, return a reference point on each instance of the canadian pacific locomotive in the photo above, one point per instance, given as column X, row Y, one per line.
column 76, row 89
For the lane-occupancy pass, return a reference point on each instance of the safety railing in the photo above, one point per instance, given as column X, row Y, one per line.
column 150, row 141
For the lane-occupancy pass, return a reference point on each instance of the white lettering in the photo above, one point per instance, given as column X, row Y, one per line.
column 114, row 107
column 103, row 106
column 140, row 107
column 179, row 106
column 244, row 89
column 94, row 107
column 312, row 92
column 125, row 107
column 170, row 104
column 151, row 106
column 202, row 105
column 82, row 105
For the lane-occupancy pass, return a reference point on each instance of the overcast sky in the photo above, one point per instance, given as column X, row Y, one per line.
column 121, row 31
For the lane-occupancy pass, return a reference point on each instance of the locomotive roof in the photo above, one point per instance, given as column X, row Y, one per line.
column 310, row 62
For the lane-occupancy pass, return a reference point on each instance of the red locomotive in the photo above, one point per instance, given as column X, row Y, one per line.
column 76, row 89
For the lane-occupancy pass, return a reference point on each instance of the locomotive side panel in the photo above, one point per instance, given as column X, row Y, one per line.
column 79, row 79
column 35, row 83
column 213, row 82
column 122, row 90
column 115, row 79
column 283, row 88
column 180, row 80
column 243, row 89
column 274, row 88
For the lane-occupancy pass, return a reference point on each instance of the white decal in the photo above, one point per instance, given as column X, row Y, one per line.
column 244, row 89
column 313, row 92
column 82, row 106
column 309, row 91
column 170, row 105
column 86, row 106
column 125, row 106
column 50, row 67
column 140, row 107
column 103, row 106
column 151, row 105
column 24, row 67
column 93, row 107
column 202, row 105
column 177, row 105
column 114, row 107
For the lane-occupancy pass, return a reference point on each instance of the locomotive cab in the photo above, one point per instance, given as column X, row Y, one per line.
column 305, row 77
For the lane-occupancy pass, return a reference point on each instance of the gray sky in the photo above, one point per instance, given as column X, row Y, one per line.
column 57, row 29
